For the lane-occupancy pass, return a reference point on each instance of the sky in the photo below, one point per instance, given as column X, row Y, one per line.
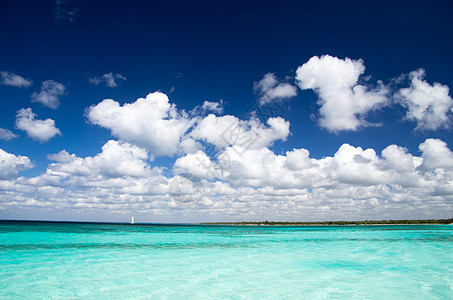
column 195, row 111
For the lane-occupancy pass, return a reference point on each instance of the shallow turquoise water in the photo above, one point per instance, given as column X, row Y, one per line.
column 97, row 261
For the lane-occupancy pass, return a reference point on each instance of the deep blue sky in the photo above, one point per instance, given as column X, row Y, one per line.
column 221, row 49
column 212, row 50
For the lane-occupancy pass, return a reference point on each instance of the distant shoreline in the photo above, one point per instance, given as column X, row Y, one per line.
column 339, row 223
column 256, row 223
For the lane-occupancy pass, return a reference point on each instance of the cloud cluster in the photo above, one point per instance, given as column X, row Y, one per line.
column 228, row 162
column 158, row 126
column 49, row 94
column 350, row 178
column 118, row 177
column 151, row 122
column 109, row 79
column 344, row 102
column 243, row 178
column 257, row 184
column 40, row 130
column 270, row 89
column 350, row 165
column 429, row 105
column 12, row 79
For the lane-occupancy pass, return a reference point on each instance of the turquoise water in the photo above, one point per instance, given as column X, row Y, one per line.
column 98, row 261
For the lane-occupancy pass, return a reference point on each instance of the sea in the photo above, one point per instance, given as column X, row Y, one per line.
column 46, row 260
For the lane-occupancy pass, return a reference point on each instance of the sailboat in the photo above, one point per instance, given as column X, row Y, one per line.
column 132, row 221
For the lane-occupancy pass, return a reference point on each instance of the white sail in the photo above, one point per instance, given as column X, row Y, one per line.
column 132, row 220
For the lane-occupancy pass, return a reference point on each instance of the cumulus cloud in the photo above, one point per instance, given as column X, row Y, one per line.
column 40, row 130
column 344, row 102
column 11, row 165
column 157, row 125
column 109, row 79
column 6, row 134
column 117, row 159
column 397, row 158
column 349, row 166
column 257, row 184
column 12, row 79
column 151, row 122
column 352, row 182
column 229, row 130
column 435, row 154
column 241, row 179
column 119, row 170
column 429, row 105
column 198, row 164
column 49, row 94
column 353, row 165
column 190, row 145
column 269, row 89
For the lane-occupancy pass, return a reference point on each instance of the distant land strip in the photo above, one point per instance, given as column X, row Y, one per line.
column 323, row 223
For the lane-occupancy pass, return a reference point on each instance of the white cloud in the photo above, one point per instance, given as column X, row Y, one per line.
column 429, row 105
column 228, row 130
column 115, row 179
column 207, row 107
column 298, row 159
column 260, row 167
column 151, row 122
column 109, row 79
column 215, row 107
column 344, row 103
column 356, row 166
column 397, row 158
column 117, row 159
column 350, row 166
column 270, row 89
column 198, row 164
column 49, row 94
column 11, row 165
column 7, row 135
column 41, row 130
column 157, row 125
column 190, row 145
column 12, row 79
column 435, row 154
column 242, row 180
column 353, row 183
column 121, row 168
